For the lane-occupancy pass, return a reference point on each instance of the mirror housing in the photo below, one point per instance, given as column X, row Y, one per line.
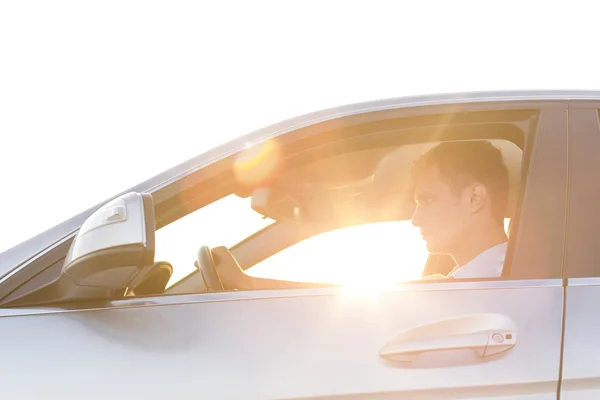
column 114, row 244
column 111, row 254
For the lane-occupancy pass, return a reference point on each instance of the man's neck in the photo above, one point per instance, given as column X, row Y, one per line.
column 479, row 243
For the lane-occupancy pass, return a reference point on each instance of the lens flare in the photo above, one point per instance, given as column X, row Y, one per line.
column 255, row 165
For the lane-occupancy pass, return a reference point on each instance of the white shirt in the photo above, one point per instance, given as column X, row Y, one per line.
column 487, row 264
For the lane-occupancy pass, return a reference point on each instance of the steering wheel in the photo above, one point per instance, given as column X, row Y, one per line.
column 208, row 269
column 155, row 282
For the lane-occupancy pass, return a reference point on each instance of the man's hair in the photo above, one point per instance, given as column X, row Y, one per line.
column 463, row 163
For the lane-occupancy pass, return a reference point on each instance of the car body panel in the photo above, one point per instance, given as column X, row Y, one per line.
column 259, row 349
column 581, row 351
column 581, row 360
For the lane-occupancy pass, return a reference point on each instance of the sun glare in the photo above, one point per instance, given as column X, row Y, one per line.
column 256, row 163
column 361, row 258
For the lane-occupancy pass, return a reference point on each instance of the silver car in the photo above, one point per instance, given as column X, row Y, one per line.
column 283, row 265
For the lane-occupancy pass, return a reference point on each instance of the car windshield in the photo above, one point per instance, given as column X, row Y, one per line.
column 223, row 223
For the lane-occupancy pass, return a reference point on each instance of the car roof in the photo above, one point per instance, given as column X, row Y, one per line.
column 29, row 249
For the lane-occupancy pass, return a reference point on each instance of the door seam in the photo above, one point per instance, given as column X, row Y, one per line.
column 562, row 339
column 564, row 256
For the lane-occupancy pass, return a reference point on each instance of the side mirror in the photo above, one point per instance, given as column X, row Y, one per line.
column 114, row 244
column 112, row 253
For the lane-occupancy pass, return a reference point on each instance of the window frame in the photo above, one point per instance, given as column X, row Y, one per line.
column 582, row 252
column 538, row 250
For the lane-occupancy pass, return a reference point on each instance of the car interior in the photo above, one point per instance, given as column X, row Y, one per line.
column 327, row 189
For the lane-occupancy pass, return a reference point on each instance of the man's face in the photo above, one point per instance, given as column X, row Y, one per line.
column 442, row 214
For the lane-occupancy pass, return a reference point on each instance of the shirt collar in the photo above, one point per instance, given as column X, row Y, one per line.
column 487, row 264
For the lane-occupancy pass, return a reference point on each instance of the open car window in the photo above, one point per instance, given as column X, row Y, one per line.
column 383, row 249
column 373, row 252
column 225, row 222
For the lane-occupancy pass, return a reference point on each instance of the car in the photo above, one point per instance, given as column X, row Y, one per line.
column 283, row 265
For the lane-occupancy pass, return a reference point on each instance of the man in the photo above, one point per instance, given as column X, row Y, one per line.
column 461, row 191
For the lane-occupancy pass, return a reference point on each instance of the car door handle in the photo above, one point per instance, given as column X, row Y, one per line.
column 486, row 334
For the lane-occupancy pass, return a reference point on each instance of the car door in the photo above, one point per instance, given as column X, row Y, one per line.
column 479, row 339
column 581, row 362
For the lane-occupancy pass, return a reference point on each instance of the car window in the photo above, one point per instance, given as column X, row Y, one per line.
column 223, row 223
column 377, row 253
column 372, row 254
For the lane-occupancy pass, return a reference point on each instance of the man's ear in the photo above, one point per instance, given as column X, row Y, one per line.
column 476, row 195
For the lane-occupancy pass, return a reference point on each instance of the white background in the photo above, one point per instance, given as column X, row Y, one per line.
column 98, row 96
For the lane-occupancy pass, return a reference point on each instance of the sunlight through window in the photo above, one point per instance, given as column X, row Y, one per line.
column 366, row 257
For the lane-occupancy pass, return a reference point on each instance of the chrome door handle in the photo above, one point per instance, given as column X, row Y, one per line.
column 486, row 334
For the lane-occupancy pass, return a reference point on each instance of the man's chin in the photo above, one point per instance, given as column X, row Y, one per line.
column 432, row 248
